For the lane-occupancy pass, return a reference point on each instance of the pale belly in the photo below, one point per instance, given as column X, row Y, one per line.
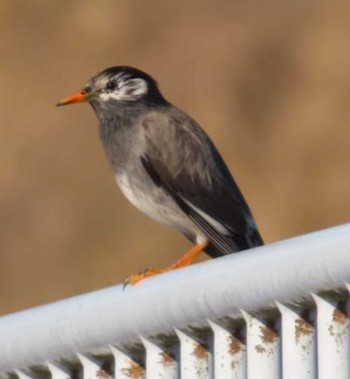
column 152, row 201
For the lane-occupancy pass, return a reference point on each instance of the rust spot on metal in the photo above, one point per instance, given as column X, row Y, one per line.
column 135, row 371
column 302, row 328
column 200, row 351
column 337, row 329
column 267, row 334
column 260, row 349
column 167, row 358
column 234, row 346
column 337, row 334
column 102, row 374
column 339, row 316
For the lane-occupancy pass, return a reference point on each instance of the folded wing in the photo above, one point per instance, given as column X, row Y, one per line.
column 181, row 159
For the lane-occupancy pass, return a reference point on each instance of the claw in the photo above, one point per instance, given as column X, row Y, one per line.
column 182, row 262
column 134, row 279
column 125, row 283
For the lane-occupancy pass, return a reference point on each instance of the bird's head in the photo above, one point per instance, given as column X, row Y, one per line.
column 115, row 86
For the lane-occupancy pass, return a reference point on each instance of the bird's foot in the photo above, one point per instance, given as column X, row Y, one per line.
column 133, row 279
column 185, row 260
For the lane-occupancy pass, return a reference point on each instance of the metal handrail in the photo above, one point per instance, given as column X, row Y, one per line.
column 280, row 272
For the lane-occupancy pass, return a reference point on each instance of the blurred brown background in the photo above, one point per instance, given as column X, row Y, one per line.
column 268, row 80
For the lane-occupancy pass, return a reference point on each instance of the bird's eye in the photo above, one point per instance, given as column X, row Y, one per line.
column 111, row 85
column 86, row 90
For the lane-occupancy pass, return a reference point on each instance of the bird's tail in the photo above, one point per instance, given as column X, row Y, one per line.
column 241, row 242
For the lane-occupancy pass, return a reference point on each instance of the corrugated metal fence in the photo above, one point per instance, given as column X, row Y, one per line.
column 278, row 311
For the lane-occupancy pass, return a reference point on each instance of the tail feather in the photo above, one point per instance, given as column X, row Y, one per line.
column 242, row 242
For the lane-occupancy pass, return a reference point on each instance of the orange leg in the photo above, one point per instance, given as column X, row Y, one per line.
column 185, row 260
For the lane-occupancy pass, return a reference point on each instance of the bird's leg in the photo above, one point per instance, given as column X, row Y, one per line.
column 188, row 257
column 185, row 260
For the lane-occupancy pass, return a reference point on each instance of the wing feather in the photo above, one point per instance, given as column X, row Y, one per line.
column 181, row 159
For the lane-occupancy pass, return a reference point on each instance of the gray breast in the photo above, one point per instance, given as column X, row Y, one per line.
column 124, row 144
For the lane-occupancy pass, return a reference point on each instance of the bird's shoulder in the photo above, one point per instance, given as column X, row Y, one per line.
column 177, row 142
column 173, row 124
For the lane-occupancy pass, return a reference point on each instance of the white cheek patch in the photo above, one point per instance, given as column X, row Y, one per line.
column 134, row 88
column 130, row 90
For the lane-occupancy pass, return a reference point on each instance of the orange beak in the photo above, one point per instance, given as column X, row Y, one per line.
column 76, row 97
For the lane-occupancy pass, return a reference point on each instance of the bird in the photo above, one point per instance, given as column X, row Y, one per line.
column 167, row 166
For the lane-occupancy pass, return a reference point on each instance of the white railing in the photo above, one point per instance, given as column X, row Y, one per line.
column 277, row 311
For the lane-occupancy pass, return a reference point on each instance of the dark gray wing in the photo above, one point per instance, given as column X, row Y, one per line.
column 181, row 159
